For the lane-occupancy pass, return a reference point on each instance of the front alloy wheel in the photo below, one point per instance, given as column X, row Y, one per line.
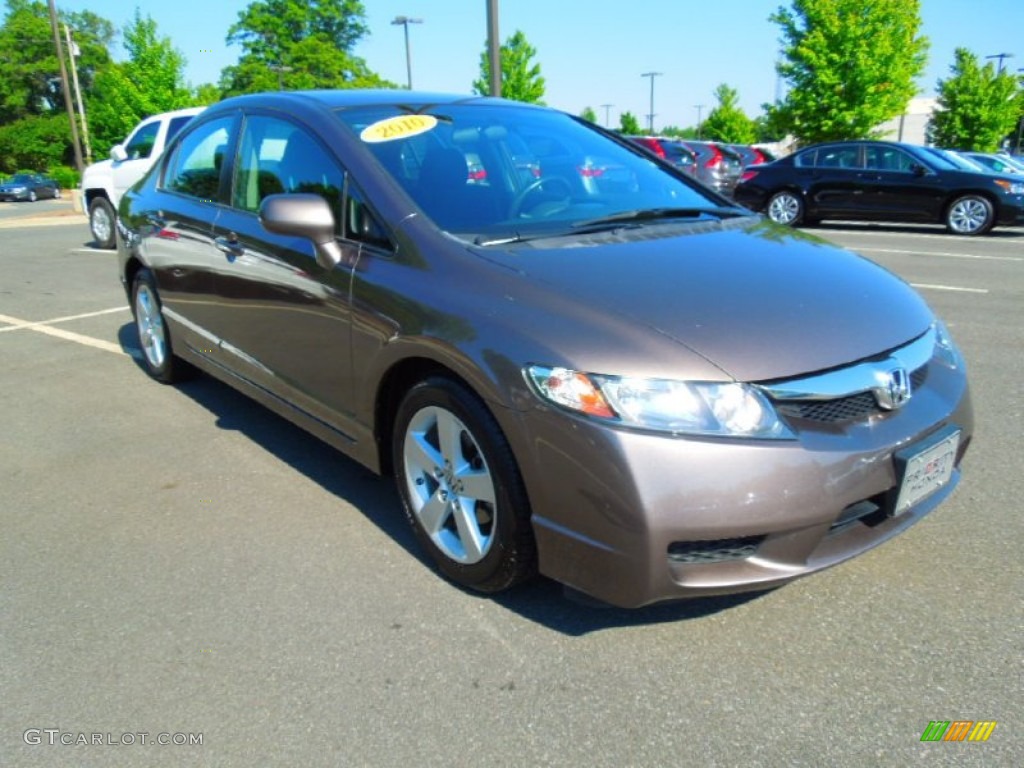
column 101, row 222
column 461, row 488
column 786, row 208
column 970, row 215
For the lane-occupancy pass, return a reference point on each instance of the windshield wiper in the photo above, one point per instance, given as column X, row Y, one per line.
column 656, row 214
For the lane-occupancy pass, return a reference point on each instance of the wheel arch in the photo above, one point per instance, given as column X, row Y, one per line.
column 952, row 197
column 394, row 384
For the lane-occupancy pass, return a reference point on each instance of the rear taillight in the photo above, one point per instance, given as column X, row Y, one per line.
column 748, row 175
column 654, row 146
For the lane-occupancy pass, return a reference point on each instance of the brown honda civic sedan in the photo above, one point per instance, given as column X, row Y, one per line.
column 573, row 358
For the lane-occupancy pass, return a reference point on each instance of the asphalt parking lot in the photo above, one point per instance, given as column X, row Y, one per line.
column 179, row 562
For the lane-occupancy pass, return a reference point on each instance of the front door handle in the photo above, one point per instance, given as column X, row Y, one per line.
column 229, row 245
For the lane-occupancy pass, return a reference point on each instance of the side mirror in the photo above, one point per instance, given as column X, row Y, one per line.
column 303, row 215
column 117, row 153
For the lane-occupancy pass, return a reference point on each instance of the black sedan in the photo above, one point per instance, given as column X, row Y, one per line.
column 29, row 186
column 881, row 181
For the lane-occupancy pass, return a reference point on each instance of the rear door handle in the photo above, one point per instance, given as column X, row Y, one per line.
column 229, row 245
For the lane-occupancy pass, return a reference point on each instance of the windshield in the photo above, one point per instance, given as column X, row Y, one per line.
column 500, row 170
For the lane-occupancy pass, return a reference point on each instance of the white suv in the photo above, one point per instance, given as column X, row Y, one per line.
column 104, row 183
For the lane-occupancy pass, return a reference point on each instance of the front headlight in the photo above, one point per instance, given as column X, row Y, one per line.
column 946, row 350
column 1013, row 187
column 662, row 405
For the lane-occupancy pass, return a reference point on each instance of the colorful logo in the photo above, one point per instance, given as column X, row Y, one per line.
column 958, row 730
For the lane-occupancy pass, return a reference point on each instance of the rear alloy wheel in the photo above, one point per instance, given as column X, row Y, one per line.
column 970, row 215
column 101, row 222
column 786, row 208
column 154, row 338
column 461, row 488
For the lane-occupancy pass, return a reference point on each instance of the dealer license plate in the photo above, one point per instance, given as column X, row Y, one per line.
column 927, row 470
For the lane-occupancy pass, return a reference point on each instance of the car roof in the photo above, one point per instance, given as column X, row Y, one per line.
column 357, row 97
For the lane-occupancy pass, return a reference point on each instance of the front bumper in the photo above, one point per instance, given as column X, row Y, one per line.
column 10, row 197
column 634, row 518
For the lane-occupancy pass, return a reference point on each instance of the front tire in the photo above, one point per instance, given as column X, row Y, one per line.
column 101, row 222
column 786, row 208
column 154, row 338
column 970, row 215
column 32, row 197
column 460, row 487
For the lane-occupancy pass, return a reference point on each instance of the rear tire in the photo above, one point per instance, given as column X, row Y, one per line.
column 101, row 222
column 970, row 215
column 154, row 337
column 460, row 487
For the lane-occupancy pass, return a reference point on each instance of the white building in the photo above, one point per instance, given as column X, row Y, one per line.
column 911, row 125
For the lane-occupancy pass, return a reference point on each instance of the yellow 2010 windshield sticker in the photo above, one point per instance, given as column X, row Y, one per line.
column 400, row 127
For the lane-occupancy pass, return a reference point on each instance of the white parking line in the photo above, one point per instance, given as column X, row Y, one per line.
column 940, row 253
column 932, row 287
column 17, row 324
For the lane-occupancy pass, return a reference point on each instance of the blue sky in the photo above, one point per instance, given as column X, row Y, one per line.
column 591, row 52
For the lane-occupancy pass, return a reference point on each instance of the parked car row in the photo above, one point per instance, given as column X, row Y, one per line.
column 717, row 165
column 29, row 187
column 883, row 181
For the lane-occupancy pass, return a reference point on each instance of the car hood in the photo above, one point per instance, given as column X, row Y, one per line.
column 759, row 301
column 13, row 185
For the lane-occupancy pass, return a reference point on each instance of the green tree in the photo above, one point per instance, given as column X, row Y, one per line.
column 150, row 81
column 629, row 125
column 292, row 45
column 676, row 132
column 727, row 122
column 35, row 131
column 589, row 114
column 851, row 65
column 977, row 107
column 36, row 143
column 520, row 78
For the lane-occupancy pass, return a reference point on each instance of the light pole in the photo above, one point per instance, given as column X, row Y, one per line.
column 606, row 107
column 493, row 47
column 405, row 21
column 66, row 89
column 698, row 107
column 650, row 117
column 73, row 53
column 1000, row 56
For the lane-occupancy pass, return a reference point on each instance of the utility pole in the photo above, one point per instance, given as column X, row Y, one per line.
column 494, row 47
column 606, row 107
column 699, row 107
column 1000, row 56
column 650, row 117
column 65, row 86
column 405, row 21
column 1020, row 126
column 72, row 53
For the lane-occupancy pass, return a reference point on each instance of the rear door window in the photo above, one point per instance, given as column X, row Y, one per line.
column 195, row 167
